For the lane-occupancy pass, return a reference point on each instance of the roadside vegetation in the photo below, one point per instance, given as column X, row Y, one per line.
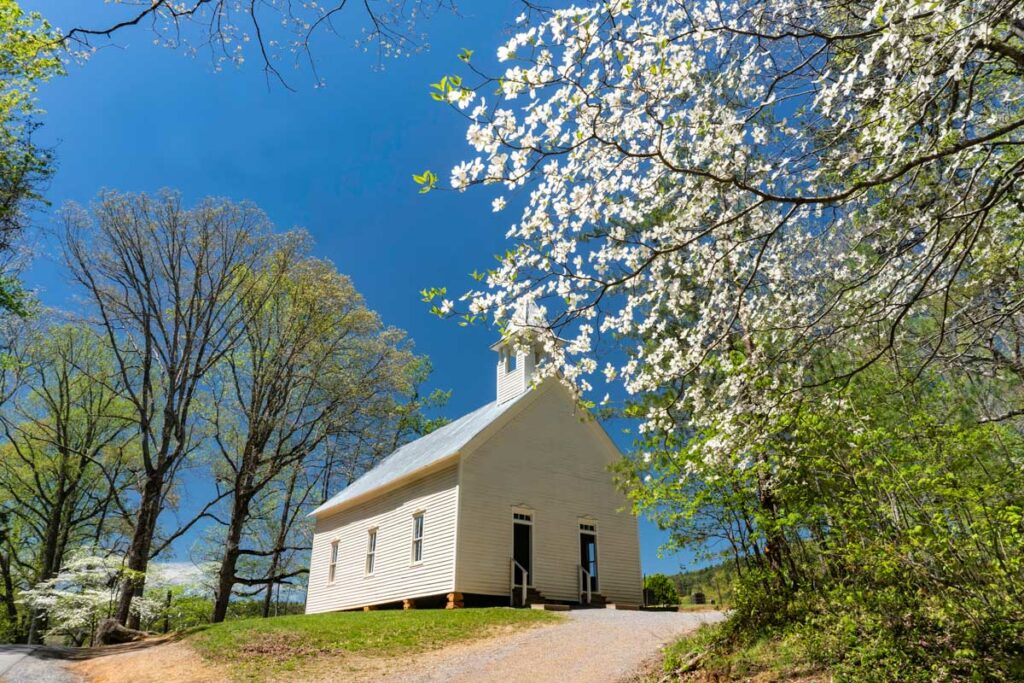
column 708, row 654
column 713, row 582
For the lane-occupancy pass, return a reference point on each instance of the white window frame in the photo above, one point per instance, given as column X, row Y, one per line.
column 332, row 566
column 371, row 551
column 417, row 541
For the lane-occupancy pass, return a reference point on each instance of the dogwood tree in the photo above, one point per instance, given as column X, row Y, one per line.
column 83, row 594
column 727, row 188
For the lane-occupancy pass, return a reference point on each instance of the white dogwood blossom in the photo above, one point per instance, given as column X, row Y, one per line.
column 83, row 593
column 724, row 187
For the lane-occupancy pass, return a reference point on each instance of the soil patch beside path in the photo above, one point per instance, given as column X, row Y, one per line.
column 168, row 662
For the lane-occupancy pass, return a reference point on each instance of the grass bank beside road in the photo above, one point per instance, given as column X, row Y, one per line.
column 256, row 649
column 709, row 654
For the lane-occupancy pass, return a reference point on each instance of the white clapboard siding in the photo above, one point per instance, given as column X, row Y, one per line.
column 513, row 377
column 395, row 576
column 548, row 460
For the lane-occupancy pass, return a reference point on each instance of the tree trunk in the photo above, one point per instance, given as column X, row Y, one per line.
column 137, row 559
column 54, row 534
column 51, row 540
column 279, row 542
column 10, row 605
column 232, row 545
column 775, row 546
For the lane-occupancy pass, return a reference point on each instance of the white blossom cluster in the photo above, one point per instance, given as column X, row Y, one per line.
column 727, row 186
column 84, row 593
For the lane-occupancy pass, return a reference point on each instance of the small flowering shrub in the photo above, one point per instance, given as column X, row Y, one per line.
column 82, row 594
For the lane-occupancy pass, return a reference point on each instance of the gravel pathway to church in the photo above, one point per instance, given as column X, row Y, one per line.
column 590, row 646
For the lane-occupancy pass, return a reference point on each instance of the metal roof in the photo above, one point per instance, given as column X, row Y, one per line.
column 421, row 453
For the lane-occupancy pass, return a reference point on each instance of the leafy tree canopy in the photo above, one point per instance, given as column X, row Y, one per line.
column 28, row 57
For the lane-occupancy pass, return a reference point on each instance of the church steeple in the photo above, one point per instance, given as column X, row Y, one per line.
column 520, row 352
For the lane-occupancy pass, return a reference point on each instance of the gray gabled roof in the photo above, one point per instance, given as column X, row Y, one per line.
column 422, row 453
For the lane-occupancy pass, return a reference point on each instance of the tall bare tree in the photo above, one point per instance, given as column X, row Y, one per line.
column 169, row 287
column 313, row 361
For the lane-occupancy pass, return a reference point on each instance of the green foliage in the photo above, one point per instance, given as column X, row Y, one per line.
column 429, row 294
column 444, row 88
column 260, row 648
column 722, row 652
column 412, row 415
column 426, row 180
column 715, row 582
column 877, row 531
column 660, row 590
column 67, row 455
column 28, row 57
column 188, row 611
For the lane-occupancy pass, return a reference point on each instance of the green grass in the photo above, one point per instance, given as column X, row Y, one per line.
column 258, row 648
column 767, row 659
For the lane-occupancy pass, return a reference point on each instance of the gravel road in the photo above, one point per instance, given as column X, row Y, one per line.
column 33, row 664
column 590, row 646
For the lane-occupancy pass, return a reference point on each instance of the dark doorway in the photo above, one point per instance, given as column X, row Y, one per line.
column 522, row 551
column 588, row 557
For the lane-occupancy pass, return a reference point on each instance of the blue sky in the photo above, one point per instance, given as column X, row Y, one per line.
column 335, row 160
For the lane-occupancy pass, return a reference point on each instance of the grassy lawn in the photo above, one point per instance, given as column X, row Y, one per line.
column 257, row 648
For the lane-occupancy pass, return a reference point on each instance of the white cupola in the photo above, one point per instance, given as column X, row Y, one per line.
column 520, row 352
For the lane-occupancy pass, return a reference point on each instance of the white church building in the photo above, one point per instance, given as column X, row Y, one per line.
column 513, row 503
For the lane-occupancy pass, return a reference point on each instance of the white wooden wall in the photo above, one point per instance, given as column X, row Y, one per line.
column 395, row 577
column 513, row 381
column 548, row 460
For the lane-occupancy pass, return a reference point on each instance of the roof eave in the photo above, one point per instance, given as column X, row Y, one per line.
column 412, row 475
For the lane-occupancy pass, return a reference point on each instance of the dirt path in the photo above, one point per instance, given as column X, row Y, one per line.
column 164, row 663
column 591, row 646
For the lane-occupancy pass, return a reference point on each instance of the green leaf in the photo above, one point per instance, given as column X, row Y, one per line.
column 426, row 180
